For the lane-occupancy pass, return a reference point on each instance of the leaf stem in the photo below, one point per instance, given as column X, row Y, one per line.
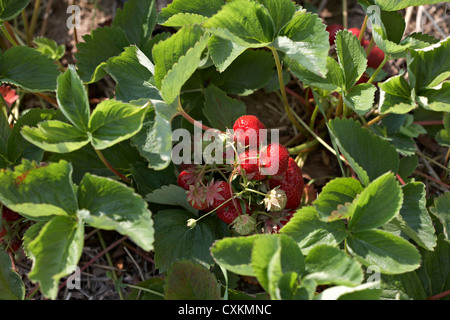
column 283, row 91
column 34, row 18
column 8, row 36
column 345, row 13
column 110, row 167
column 380, row 67
column 440, row 295
column 375, row 120
column 305, row 146
column 191, row 120
column 363, row 28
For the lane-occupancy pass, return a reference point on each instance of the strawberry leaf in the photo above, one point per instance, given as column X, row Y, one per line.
column 221, row 110
column 56, row 136
column 194, row 7
column 174, row 240
column 433, row 272
column 414, row 220
column 234, row 254
column 440, row 210
column 274, row 256
column 171, row 195
column 386, row 251
column 369, row 155
column 133, row 73
column 137, row 19
column 11, row 284
column 187, row 280
column 328, row 265
column 396, row 96
column 72, row 98
column 250, row 71
column 308, row 231
column 360, row 98
column 50, row 47
column 429, row 66
column 281, row 11
column 443, row 136
column 246, row 23
column 109, row 205
column 18, row 147
column 336, row 192
column 154, row 140
column 304, row 39
column 113, row 121
column 10, row 9
column 56, row 252
column 352, row 58
column 98, row 46
column 27, row 68
column 29, row 189
column 176, row 59
column 377, row 204
column 223, row 52
column 436, row 99
column 365, row 291
column 402, row 4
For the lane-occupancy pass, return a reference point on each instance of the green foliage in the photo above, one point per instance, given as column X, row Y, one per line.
column 60, row 169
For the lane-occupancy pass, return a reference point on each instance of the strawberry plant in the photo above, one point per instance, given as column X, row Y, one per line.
column 174, row 162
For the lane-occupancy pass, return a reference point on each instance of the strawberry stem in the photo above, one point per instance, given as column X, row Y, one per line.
column 283, row 91
column 363, row 29
column 191, row 120
column 380, row 67
column 110, row 167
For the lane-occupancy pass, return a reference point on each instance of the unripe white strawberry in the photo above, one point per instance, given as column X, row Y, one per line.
column 244, row 224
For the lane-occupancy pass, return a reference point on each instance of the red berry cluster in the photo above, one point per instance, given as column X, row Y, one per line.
column 264, row 181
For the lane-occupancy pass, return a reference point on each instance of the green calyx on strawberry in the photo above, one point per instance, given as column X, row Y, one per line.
column 291, row 183
column 247, row 130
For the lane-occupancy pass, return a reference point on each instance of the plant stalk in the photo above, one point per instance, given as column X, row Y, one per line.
column 283, row 92
column 110, row 167
column 34, row 18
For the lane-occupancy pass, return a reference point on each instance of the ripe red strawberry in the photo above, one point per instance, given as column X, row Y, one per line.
column 356, row 31
column 228, row 213
column 291, row 183
column 9, row 215
column 332, row 29
column 186, row 178
column 246, row 130
column 249, row 164
column 224, row 192
column 274, row 159
column 375, row 57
